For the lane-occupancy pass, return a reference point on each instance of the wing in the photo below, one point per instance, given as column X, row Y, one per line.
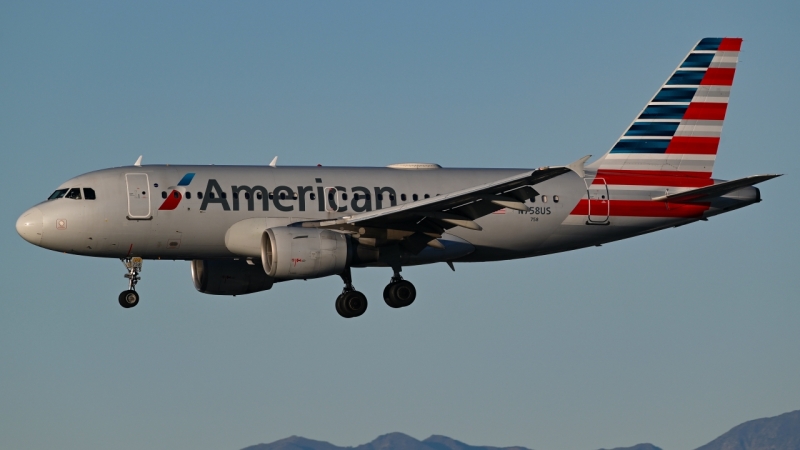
column 420, row 223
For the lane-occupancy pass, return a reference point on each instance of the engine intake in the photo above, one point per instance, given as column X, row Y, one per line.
column 229, row 277
column 289, row 253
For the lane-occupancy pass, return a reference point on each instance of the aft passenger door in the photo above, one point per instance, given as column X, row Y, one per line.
column 599, row 201
column 138, row 196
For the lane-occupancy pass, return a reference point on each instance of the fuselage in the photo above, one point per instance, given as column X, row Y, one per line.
column 146, row 212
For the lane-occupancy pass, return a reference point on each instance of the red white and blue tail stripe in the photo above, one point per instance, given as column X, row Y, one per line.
column 677, row 134
column 669, row 148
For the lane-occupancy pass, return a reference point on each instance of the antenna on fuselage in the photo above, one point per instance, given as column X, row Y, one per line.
column 138, row 162
column 274, row 162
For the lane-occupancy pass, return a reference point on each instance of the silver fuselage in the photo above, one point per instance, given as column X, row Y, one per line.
column 125, row 220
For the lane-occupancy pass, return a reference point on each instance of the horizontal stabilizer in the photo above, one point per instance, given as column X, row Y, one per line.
column 717, row 190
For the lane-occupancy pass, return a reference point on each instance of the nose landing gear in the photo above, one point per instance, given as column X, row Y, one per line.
column 130, row 298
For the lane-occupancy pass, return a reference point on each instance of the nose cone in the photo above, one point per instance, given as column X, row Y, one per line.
column 29, row 226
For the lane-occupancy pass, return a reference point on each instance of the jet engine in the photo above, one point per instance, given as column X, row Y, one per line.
column 289, row 253
column 229, row 277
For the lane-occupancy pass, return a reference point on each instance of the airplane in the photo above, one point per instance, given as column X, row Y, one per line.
column 245, row 228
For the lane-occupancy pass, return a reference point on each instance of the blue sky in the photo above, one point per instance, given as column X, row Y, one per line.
column 671, row 338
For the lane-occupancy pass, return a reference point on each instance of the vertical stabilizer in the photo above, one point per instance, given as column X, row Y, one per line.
column 677, row 134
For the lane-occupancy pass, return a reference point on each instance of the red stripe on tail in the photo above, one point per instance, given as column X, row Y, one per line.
column 689, row 145
column 705, row 111
column 718, row 77
column 730, row 45
column 642, row 208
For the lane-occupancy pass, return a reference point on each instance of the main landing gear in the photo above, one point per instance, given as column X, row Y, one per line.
column 130, row 298
column 350, row 302
column 399, row 293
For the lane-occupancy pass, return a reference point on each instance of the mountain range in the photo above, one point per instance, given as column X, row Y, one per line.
column 772, row 433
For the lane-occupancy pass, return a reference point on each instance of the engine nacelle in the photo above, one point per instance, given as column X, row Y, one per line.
column 289, row 253
column 229, row 277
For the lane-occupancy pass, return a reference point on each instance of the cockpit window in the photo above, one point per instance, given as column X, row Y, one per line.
column 74, row 194
column 88, row 194
column 57, row 194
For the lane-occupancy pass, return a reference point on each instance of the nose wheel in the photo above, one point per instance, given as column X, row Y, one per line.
column 130, row 298
column 350, row 303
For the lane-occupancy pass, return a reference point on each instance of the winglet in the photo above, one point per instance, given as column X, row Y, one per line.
column 138, row 162
column 274, row 162
column 577, row 166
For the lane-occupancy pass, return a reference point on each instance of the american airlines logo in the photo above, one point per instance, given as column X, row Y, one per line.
column 176, row 193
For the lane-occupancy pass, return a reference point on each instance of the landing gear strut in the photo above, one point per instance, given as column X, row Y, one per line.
column 350, row 302
column 130, row 298
column 399, row 293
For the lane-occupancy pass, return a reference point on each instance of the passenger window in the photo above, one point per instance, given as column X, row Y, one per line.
column 188, row 195
column 88, row 194
column 74, row 194
column 236, row 195
column 57, row 194
column 314, row 197
column 403, row 197
column 176, row 194
column 224, row 195
column 200, row 195
column 427, row 196
column 415, row 197
column 163, row 194
column 344, row 196
column 258, row 195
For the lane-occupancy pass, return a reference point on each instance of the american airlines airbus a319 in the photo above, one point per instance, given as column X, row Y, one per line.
column 245, row 228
